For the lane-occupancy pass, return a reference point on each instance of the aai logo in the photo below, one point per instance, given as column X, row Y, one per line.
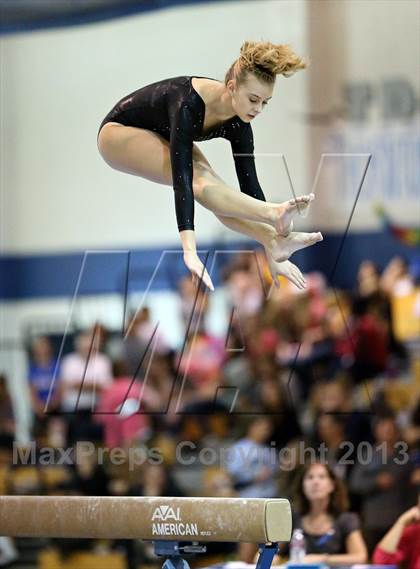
column 165, row 513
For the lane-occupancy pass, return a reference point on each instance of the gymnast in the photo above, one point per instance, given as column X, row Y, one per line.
column 151, row 133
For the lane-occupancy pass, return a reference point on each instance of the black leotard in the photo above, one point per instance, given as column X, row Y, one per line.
column 175, row 110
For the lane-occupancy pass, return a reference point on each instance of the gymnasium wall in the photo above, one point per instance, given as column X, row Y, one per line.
column 57, row 85
column 364, row 100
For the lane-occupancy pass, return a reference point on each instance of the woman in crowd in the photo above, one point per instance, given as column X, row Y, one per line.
column 332, row 533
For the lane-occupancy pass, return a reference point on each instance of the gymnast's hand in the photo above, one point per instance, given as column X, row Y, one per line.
column 193, row 262
column 286, row 269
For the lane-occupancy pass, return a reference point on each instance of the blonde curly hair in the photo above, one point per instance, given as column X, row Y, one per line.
column 265, row 60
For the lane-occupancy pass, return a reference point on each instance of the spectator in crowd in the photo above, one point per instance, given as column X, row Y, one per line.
column 87, row 474
column 217, row 483
column 121, row 409
column 368, row 278
column 369, row 341
column 271, row 399
column 218, row 426
column 42, row 370
column 237, row 367
column 291, row 459
column 146, row 329
column 161, row 376
column 376, row 295
column 201, row 359
column 133, row 350
column 205, row 423
column 330, row 432
column 251, row 464
column 369, row 290
column 194, row 305
column 383, row 481
column 396, row 279
column 332, row 533
column 84, row 374
column 132, row 344
column 261, row 338
column 156, row 480
column 7, row 421
column 335, row 397
column 244, row 286
column 401, row 544
column 412, row 431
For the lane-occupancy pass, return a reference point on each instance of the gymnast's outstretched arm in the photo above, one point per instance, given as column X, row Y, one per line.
column 181, row 145
column 242, row 146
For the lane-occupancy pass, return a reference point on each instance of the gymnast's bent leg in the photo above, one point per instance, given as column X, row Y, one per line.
column 225, row 201
column 127, row 148
column 144, row 153
column 279, row 248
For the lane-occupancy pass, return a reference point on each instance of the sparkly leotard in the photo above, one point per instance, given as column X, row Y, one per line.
column 174, row 109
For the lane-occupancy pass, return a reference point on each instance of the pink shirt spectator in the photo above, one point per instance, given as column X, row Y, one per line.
column 122, row 419
column 203, row 358
column 98, row 376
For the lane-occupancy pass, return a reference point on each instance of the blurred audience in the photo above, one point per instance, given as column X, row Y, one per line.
column 311, row 369
column 381, row 477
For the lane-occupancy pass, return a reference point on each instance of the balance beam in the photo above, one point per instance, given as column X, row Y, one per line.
column 177, row 519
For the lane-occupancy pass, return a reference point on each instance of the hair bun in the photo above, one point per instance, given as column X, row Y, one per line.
column 270, row 58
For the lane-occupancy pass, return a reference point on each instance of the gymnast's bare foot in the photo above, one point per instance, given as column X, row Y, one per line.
column 284, row 213
column 281, row 248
